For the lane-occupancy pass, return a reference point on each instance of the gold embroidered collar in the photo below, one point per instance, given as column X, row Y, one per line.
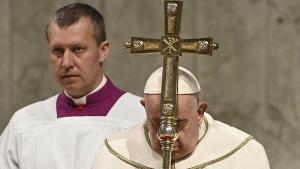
column 201, row 166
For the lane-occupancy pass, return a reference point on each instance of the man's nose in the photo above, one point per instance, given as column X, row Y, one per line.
column 68, row 60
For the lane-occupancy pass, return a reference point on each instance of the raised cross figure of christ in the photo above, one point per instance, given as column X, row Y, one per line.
column 171, row 46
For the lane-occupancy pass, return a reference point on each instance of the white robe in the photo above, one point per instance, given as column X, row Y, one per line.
column 36, row 139
column 219, row 140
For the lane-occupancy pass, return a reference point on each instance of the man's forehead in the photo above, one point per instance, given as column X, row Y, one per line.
column 182, row 98
column 66, row 22
column 185, row 106
column 83, row 22
column 180, row 117
column 81, row 29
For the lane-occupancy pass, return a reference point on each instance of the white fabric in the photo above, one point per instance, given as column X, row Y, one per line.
column 187, row 82
column 82, row 100
column 219, row 140
column 36, row 139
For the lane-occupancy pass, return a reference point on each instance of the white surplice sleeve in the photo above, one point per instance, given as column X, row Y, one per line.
column 8, row 148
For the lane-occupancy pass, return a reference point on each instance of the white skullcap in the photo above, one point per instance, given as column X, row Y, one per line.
column 187, row 82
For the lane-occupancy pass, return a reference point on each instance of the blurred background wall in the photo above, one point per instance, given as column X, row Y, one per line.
column 252, row 82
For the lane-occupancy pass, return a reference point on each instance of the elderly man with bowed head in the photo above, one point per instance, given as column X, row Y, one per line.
column 203, row 143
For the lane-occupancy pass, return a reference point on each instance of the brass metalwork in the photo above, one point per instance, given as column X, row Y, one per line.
column 171, row 24
column 171, row 45
column 143, row 45
column 167, row 108
column 172, row 8
column 173, row 11
column 200, row 46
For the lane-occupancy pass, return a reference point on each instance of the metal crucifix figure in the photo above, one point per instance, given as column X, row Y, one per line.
column 171, row 45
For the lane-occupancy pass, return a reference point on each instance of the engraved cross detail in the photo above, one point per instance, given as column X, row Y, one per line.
column 169, row 44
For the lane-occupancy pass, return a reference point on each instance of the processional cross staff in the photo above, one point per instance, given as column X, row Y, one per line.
column 171, row 45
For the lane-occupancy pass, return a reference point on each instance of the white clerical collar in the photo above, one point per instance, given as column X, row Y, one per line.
column 82, row 100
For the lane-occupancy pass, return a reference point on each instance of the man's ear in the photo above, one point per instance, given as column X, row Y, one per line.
column 142, row 101
column 202, row 108
column 103, row 51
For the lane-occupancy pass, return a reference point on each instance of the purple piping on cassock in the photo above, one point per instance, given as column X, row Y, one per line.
column 97, row 104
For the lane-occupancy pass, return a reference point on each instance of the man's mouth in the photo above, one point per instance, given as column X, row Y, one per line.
column 69, row 76
column 175, row 148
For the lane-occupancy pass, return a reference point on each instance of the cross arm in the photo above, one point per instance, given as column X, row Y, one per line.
column 143, row 45
column 198, row 46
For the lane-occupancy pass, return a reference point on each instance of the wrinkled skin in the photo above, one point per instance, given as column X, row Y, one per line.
column 190, row 117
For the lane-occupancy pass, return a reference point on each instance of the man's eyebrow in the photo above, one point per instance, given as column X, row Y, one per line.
column 155, row 118
column 181, row 120
column 77, row 44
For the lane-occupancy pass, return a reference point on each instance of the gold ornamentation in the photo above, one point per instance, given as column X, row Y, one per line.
column 167, row 108
column 138, row 44
column 169, row 44
column 172, row 8
column 171, row 24
column 201, row 166
column 170, row 76
column 214, row 46
column 127, row 45
column 149, row 45
column 190, row 46
column 203, row 46
column 143, row 45
column 200, row 46
column 126, row 160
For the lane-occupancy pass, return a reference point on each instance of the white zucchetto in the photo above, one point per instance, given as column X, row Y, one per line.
column 187, row 82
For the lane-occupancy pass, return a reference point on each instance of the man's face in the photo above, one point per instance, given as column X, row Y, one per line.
column 76, row 57
column 190, row 115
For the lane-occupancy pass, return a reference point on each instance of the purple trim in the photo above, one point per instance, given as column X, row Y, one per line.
column 98, row 103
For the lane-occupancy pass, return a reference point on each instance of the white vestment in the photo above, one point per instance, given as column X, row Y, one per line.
column 36, row 139
column 222, row 147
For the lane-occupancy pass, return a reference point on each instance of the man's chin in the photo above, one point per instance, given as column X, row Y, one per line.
column 73, row 91
column 177, row 155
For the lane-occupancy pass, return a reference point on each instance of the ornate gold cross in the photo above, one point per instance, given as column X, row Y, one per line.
column 171, row 45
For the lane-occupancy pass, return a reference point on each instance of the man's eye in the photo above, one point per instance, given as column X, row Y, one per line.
column 78, row 50
column 181, row 125
column 155, row 124
column 58, row 51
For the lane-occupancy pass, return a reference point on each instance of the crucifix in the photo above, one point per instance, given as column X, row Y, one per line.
column 171, row 46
